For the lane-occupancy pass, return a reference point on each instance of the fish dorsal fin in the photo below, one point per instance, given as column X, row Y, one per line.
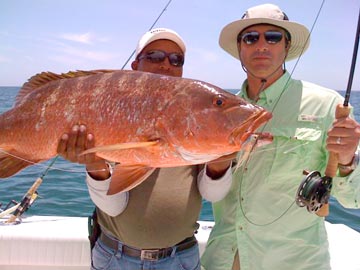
column 43, row 78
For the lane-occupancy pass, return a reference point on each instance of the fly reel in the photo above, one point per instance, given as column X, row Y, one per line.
column 314, row 191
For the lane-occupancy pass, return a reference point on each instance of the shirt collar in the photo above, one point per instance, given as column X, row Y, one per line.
column 271, row 94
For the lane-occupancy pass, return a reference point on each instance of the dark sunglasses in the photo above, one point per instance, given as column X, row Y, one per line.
column 158, row 56
column 271, row 37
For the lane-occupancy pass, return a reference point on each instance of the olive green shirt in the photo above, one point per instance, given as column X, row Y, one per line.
column 161, row 211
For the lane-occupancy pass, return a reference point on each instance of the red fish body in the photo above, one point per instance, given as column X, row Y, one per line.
column 159, row 121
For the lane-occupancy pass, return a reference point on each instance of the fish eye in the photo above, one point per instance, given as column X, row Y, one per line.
column 219, row 100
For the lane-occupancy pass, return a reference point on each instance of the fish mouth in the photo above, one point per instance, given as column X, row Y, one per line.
column 242, row 133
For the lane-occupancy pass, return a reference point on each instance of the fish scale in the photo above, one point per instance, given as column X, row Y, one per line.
column 140, row 120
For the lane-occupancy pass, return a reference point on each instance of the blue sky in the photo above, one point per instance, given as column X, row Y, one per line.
column 58, row 36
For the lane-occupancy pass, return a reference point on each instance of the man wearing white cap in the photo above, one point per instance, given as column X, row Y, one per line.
column 258, row 225
column 152, row 226
column 150, row 56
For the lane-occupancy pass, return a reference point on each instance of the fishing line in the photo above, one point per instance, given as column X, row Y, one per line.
column 262, row 129
column 244, row 168
column 151, row 27
column 48, row 167
column 315, row 190
column 26, row 198
column 301, row 53
column 241, row 160
column 263, row 80
column 308, row 37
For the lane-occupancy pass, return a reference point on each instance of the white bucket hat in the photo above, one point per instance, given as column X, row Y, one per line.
column 265, row 14
column 159, row 33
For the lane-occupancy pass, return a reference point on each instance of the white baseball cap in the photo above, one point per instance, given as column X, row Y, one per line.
column 159, row 33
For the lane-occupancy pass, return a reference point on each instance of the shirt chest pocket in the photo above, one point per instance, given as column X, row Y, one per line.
column 297, row 149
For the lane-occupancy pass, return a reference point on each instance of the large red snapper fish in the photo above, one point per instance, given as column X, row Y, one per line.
column 140, row 120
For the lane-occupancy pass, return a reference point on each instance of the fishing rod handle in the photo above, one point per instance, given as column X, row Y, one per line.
column 34, row 187
column 26, row 199
column 332, row 165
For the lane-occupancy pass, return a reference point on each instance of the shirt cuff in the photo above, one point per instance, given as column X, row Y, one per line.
column 214, row 190
column 112, row 205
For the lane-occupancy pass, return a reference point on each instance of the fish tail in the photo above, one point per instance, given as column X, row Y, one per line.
column 10, row 164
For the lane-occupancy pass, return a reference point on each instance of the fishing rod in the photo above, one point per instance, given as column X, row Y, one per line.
column 8, row 209
column 31, row 194
column 314, row 191
column 151, row 27
column 28, row 198
column 156, row 20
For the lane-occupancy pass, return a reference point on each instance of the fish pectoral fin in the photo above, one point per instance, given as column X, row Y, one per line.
column 10, row 164
column 125, row 178
column 119, row 146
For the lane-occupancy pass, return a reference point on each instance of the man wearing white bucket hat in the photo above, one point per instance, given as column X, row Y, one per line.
column 258, row 224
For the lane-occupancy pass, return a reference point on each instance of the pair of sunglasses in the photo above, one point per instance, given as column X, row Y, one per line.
column 271, row 37
column 158, row 56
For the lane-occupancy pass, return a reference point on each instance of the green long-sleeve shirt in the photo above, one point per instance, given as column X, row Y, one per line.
column 259, row 216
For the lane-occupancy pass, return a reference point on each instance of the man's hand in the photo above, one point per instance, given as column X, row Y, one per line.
column 72, row 144
column 217, row 168
column 343, row 139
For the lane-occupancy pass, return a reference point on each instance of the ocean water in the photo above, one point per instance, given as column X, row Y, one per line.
column 64, row 192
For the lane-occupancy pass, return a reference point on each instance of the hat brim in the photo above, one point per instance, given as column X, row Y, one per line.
column 300, row 36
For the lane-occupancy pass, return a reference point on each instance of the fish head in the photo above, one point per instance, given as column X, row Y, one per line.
column 205, row 122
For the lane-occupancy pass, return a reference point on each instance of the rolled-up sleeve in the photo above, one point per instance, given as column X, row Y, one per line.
column 347, row 189
column 112, row 205
column 214, row 190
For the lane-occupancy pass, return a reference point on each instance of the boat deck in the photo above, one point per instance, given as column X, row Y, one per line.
column 54, row 242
